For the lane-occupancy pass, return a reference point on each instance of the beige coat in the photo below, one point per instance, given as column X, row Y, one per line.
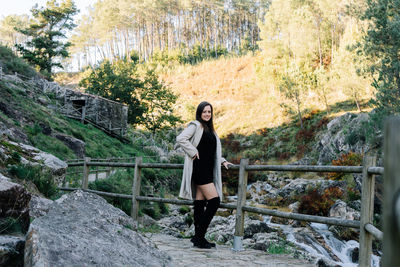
column 188, row 140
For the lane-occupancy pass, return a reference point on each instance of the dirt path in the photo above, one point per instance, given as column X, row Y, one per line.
column 184, row 254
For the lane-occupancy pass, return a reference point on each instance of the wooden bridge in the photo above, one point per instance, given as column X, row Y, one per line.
column 391, row 205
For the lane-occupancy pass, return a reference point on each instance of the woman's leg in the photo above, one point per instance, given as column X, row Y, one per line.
column 210, row 193
column 198, row 212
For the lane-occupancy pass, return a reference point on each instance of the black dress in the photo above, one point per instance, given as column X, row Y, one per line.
column 203, row 168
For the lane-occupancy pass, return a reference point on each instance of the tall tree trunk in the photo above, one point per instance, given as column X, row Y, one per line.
column 319, row 42
column 299, row 112
column 357, row 102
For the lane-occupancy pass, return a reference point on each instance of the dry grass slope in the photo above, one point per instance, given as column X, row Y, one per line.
column 242, row 101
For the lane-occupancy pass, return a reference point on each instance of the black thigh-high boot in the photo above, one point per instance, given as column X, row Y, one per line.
column 211, row 209
column 198, row 212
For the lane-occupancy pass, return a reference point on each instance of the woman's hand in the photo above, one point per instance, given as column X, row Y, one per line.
column 196, row 156
column 226, row 164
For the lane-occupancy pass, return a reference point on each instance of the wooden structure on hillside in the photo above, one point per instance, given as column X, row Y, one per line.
column 107, row 115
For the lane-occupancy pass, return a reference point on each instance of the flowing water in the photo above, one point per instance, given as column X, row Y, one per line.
column 341, row 249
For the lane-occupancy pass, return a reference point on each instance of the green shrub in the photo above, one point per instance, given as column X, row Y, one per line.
column 12, row 63
column 281, row 247
column 43, row 179
column 353, row 194
column 120, row 182
column 34, row 130
column 189, row 219
column 184, row 209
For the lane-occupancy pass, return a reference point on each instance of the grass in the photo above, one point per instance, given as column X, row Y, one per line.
column 154, row 228
column 281, row 247
column 12, row 64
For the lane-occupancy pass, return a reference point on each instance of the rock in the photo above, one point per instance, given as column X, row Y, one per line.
column 33, row 156
column 12, row 251
column 354, row 254
column 324, row 262
column 13, row 132
column 344, row 233
column 76, row 145
column 146, row 221
column 82, row 229
column 262, row 241
column 43, row 101
column 259, row 191
column 341, row 210
column 177, row 223
column 342, row 136
column 46, row 129
column 294, row 207
column 254, row 227
column 14, row 202
column 39, row 206
column 280, row 220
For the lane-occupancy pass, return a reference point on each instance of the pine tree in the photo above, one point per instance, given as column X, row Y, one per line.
column 382, row 46
column 45, row 35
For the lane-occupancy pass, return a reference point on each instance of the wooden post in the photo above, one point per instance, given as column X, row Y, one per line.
column 85, row 178
column 391, row 184
column 367, row 212
column 83, row 113
column 108, row 170
column 136, row 189
column 97, row 173
column 241, row 201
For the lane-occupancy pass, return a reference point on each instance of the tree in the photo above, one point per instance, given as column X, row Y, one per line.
column 45, row 35
column 158, row 100
column 293, row 85
column 381, row 46
column 9, row 36
column 150, row 102
column 347, row 64
column 118, row 82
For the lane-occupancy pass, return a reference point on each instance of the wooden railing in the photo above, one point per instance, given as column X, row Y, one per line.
column 368, row 231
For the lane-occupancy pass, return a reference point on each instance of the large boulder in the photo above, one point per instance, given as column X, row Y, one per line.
column 39, row 206
column 14, row 202
column 82, row 229
column 76, row 145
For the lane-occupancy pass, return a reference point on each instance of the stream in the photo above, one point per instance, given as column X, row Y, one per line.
column 341, row 249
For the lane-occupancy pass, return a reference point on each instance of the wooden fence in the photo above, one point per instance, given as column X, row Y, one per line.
column 391, row 215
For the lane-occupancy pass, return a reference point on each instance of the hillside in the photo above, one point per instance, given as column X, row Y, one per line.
column 243, row 101
column 28, row 117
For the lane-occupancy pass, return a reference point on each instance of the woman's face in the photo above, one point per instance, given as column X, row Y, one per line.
column 206, row 114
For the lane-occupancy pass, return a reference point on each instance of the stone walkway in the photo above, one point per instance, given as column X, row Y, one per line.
column 184, row 254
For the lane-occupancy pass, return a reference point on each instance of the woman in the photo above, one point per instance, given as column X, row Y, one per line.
column 201, row 178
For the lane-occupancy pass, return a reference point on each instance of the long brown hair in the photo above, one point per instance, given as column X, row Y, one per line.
column 207, row 125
